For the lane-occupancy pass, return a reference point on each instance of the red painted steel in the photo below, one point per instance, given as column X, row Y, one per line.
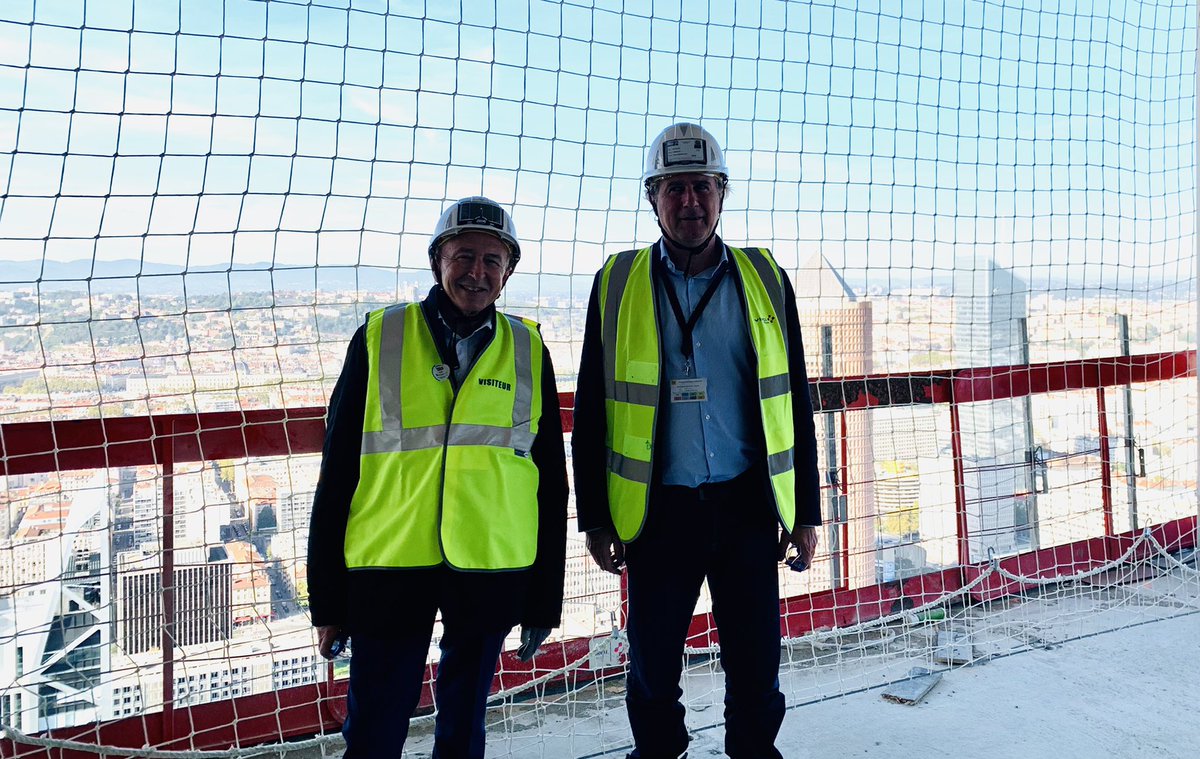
column 1073, row 558
column 244, row 721
column 844, row 494
column 998, row 382
column 55, row 446
column 960, row 488
column 1106, row 497
column 29, row 447
column 166, row 455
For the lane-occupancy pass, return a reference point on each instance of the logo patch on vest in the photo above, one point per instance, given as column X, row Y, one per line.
column 500, row 384
column 768, row 319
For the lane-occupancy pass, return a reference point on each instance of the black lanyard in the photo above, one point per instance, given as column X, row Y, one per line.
column 687, row 325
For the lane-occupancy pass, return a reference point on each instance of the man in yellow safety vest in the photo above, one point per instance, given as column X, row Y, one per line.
column 443, row 488
column 693, row 446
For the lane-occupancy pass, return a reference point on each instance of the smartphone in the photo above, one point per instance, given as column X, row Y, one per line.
column 339, row 645
column 795, row 562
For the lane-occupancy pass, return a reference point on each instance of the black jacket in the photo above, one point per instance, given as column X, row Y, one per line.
column 383, row 600
column 588, row 449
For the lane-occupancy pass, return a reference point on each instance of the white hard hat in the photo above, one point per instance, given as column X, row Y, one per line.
column 480, row 214
column 684, row 148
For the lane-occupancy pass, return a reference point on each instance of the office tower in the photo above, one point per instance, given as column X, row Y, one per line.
column 837, row 329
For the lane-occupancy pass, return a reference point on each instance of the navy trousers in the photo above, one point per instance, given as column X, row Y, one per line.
column 728, row 534
column 386, row 673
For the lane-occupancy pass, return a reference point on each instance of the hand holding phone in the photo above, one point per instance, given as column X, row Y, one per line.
column 339, row 645
column 796, row 562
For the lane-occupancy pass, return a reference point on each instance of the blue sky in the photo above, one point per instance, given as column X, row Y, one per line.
column 882, row 134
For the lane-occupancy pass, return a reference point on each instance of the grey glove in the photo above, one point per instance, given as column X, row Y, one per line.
column 531, row 638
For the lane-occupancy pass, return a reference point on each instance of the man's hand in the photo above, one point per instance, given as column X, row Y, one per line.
column 326, row 635
column 606, row 550
column 531, row 639
column 805, row 541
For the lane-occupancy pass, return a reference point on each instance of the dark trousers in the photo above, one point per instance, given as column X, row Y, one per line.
column 386, row 673
column 728, row 534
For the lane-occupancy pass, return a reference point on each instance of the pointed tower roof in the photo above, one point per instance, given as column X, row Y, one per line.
column 821, row 285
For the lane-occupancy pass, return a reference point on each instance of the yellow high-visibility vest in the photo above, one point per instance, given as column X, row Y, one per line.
column 633, row 375
column 447, row 478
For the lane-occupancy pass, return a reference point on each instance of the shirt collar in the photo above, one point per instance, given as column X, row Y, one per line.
column 666, row 259
column 437, row 293
column 487, row 324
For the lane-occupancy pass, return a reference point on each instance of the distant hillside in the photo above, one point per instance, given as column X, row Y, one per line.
column 131, row 275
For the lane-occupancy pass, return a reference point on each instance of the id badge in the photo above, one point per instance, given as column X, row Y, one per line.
column 691, row 390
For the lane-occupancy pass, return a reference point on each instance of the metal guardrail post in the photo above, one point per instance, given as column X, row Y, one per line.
column 1032, row 518
column 1106, row 500
column 1131, row 454
column 960, row 488
column 836, row 518
column 166, row 448
column 843, row 497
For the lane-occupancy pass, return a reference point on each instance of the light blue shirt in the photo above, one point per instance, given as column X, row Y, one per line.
column 718, row 439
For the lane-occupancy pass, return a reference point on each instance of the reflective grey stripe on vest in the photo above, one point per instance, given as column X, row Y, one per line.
column 767, row 273
column 394, row 438
column 635, row 393
column 392, row 441
column 778, row 463
column 522, row 421
column 629, row 469
column 498, row 437
column 618, row 278
column 391, row 348
column 395, row 441
column 769, row 387
column 621, row 391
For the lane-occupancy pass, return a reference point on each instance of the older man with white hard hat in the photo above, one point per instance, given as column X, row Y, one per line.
column 694, row 449
column 442, row 489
